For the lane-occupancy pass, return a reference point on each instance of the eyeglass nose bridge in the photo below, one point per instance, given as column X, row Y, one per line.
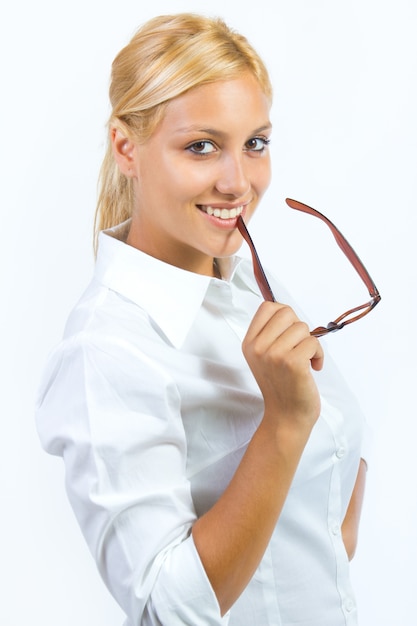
column 341, row 321
column 332, row 327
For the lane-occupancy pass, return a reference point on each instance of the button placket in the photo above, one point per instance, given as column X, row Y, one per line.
column 335, row 422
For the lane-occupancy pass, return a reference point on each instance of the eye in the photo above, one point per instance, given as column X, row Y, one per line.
column 257, row 144
column 202, row 147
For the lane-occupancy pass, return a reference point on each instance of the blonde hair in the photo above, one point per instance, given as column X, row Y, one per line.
column 167, row 56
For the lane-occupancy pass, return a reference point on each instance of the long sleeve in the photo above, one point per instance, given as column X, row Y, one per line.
column 114, row 416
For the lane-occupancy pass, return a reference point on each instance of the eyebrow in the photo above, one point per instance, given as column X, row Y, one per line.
column 218, row 133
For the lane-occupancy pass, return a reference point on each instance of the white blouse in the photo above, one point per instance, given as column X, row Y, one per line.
column 151, row 404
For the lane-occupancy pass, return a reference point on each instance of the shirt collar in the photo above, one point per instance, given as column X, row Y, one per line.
column 171, row 296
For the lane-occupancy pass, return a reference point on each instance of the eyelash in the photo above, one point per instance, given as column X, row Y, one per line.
column 265, row 143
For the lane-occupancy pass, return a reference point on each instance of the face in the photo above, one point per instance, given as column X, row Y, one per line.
column 206, row 163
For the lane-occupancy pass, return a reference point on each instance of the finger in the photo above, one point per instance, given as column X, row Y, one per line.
column 313, row 351
column 318, row 359
column 285, row 329
column 271, row 319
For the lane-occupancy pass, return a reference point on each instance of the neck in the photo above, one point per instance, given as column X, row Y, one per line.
column 216, row 270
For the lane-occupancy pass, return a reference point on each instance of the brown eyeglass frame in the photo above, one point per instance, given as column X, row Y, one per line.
column 349, row 316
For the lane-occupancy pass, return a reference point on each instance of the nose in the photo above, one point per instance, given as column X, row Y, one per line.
column 233, row 178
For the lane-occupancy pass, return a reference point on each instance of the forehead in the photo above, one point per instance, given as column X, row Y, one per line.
column 239, row 103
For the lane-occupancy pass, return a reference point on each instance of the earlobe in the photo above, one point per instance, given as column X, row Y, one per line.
column 124, row 152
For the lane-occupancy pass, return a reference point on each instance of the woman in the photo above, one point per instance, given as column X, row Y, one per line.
column 212, row 455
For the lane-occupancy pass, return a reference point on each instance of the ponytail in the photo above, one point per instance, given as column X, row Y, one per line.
column 115, row 198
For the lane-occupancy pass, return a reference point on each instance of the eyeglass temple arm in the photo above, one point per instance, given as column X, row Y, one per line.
column 342, row 243
column 260, row 276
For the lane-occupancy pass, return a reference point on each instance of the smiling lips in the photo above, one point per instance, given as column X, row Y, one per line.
column 223, row 214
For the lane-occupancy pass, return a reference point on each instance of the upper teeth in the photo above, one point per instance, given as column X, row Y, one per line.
column 224, row 214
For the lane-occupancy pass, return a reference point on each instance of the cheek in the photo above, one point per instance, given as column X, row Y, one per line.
column 263, row 176
column 192, row 182
column 185, row 178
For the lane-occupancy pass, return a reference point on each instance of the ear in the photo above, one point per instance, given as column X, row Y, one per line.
column 124, row 151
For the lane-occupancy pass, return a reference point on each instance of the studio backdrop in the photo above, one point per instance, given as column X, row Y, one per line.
column 344, row 141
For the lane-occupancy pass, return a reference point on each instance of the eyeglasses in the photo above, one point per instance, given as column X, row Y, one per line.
column 346, row 318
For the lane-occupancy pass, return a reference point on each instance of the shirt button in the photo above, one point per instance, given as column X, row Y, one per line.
column 340, row 452
column 335, row 529
column 349, row 605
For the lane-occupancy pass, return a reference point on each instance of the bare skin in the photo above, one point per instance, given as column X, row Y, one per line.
column 350, row 526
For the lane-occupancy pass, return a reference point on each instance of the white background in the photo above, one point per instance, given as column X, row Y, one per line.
column 345, row 141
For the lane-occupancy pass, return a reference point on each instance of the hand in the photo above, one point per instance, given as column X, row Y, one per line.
column 281, row 353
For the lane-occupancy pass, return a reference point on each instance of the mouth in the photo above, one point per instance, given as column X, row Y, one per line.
column 222, row 213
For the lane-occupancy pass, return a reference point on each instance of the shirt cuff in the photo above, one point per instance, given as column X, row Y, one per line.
column 182, row 594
